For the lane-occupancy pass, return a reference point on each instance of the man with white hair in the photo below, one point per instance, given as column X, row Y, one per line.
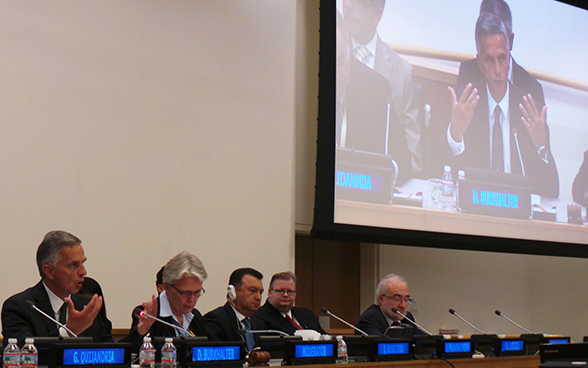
column 392, row 292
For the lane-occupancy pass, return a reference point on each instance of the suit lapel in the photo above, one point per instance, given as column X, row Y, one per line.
column 41, row 300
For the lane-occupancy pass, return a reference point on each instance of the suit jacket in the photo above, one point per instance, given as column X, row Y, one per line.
column 373, row 322
column 370, row 125
column 20, row 321
column 197, row 326
column 469, row 72
column 398, row 72
column 580, row 185
column 269, row 318
column 222, row 322
column 543, row 177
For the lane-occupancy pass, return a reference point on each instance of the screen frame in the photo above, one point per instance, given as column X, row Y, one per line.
column 324, row 226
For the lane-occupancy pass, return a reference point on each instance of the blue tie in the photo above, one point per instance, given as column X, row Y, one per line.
column 180, row 332
column 248, row 336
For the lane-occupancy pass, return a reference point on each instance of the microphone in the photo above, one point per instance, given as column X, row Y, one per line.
column 516, row 138
column 452, row 311
column 326, row 311
column 141, row 312
column 394, row 310
column 243, row 331
column 498, row 313
column 33, row 306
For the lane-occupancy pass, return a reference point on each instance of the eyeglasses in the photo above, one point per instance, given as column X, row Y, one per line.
column 187, row 294
column 398, row 299
column 281, row 292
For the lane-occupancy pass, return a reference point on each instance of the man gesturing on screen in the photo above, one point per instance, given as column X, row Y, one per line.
column 494, row 125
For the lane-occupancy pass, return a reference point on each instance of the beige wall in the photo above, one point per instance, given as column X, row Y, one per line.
column 147, row 127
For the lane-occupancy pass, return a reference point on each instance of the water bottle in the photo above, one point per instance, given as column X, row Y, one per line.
column 12, row 354
column 460, row 177
column 29, row 356
column 168, row 354
column 147, row 354
column 447, row 188
column 341, row 350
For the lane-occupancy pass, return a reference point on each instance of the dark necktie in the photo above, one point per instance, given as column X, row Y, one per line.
column 298, row 327
column 63, row 313
column 497, row 153
column 396, row 323
column 248, row 336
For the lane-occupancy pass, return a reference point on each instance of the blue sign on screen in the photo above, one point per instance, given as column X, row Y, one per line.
column 313, row 351
column 215, row 353
column 458, row 346
column 513, row 345
column 93, row 356
column 558, row 341
column 392, row 348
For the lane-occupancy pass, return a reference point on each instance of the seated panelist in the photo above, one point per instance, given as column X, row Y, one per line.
column 392, row 292
column 229, row 321
column 279, row 312
column 60, row 259
column 183, row 276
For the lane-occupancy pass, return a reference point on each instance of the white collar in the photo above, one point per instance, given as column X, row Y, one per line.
column 56, row 302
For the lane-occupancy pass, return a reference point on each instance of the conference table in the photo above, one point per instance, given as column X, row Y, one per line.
column 527, row 361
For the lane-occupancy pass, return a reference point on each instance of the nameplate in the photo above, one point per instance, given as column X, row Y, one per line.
column 212, row 353
column 73, row 355
column 509, row 347
column 388, row 350
column 364, row 176
column 491, row 199
column 455, row 348
column 310, row 352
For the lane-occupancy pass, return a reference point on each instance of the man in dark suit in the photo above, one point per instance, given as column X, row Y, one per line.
column 366, row 117
column 580, row 186
column 243, row 300
column 279, row 312
column 182, row 286
column 392, row 292
column 60, row 259
column 469, row 71
column 362, row 18
column 496, row 126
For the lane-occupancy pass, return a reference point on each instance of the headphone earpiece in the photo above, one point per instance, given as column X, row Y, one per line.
column 231, row 293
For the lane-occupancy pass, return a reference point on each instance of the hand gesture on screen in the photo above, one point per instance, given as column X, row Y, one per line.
column 462, row 111
column 535, row 123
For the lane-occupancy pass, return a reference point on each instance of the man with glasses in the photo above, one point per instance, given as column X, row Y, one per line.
column 243, row 299
column 392, row 292
column 279, row 312
column 182, row 286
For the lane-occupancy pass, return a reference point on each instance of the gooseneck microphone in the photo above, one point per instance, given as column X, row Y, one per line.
column 141, row 312
column 516, row 138
column 498, row 313
column 394, row 310
column 243, row 331
column 32, row 305
column 452, row 311
column 326, row 311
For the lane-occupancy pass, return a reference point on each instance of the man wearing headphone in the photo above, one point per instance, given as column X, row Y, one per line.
column 243, row 299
